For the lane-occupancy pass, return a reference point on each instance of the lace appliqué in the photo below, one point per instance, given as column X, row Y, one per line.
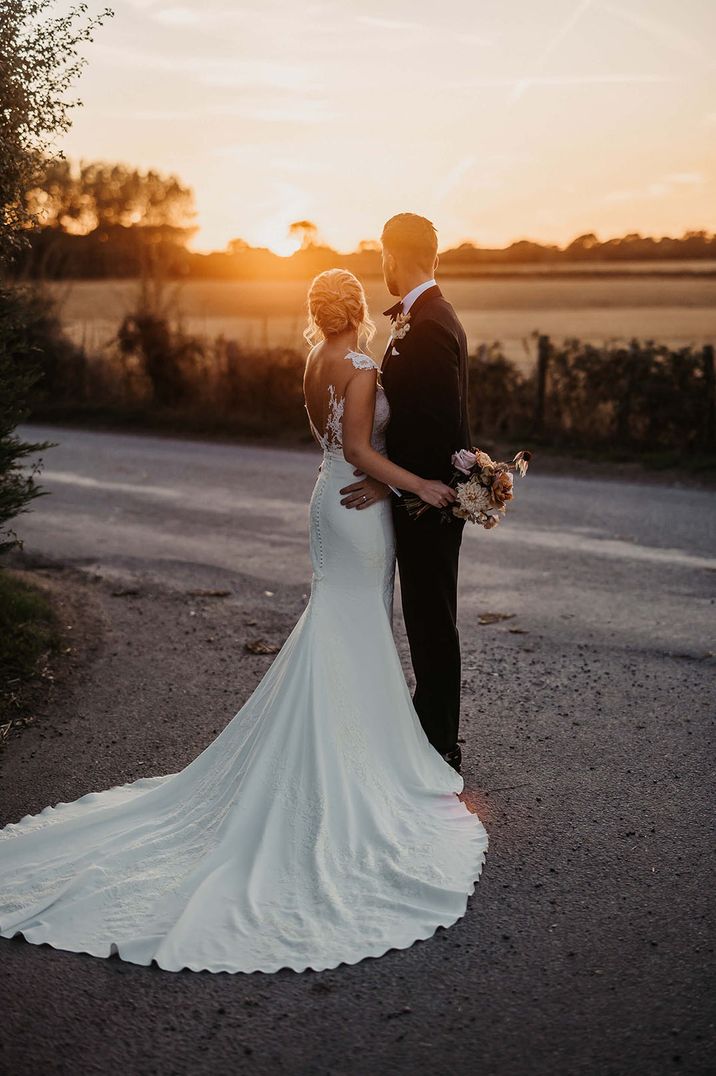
column 361, row 361
column 332, row 437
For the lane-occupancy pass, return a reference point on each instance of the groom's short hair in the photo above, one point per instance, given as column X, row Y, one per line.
column 411, row 238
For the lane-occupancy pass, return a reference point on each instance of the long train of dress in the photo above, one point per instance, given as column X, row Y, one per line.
column 318, row 828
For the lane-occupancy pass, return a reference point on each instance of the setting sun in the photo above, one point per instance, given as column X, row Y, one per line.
column 499, row 122
column 277, row 238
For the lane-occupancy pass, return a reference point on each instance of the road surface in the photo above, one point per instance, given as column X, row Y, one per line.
column 588, row 717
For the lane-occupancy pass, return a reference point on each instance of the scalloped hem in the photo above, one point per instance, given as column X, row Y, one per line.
column 374, row 954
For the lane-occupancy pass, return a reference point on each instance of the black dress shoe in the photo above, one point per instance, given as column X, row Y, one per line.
column 454, row 757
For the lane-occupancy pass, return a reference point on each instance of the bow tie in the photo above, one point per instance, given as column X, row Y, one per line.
column 394, row 311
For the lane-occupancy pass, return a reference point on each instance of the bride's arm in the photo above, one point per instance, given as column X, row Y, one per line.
column 358, row 413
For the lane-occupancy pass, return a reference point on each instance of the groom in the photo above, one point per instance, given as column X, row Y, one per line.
column 424, row 375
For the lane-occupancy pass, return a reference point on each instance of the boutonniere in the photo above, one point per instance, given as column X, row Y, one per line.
column 401, row 327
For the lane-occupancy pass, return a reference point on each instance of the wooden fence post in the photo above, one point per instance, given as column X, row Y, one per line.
column 709, row 397
column 543, row 352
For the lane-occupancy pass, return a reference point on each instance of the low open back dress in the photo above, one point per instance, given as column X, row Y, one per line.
column 318, row 828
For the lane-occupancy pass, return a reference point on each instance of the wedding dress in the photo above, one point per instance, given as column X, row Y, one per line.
column 318, row 828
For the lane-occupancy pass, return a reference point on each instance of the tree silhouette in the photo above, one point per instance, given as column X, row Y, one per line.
column 99, row 195
column 306, row 231
column 39, row 65
column 583, row 245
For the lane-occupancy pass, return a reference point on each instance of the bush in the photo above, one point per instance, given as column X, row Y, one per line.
column 20, row 370
column 641, row 398
column 260, row 390
column 169, row 360
column 501, row 397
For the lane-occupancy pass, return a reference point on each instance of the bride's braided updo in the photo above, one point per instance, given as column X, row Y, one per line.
column 336, row 302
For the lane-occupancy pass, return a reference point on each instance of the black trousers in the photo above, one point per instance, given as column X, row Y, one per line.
column 428, row 551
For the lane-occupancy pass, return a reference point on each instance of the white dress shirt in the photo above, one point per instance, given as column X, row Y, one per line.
column 412, row 295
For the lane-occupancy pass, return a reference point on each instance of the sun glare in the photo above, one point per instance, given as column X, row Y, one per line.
column 284, row 247
column 276, row 237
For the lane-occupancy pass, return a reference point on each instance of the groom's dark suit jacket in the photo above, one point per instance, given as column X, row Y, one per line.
column 426, row 385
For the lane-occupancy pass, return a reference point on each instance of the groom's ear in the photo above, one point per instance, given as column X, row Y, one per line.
column 437, row 263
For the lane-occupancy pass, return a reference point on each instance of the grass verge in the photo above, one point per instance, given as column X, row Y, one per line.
column 30, row 636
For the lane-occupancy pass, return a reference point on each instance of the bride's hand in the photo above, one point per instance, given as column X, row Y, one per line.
column 436, row 493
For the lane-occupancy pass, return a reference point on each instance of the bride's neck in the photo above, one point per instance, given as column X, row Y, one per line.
column 347, row 339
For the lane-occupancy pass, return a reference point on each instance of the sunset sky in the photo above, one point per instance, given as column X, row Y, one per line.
column 499, row 119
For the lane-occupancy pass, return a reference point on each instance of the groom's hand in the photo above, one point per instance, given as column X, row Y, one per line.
column 364, row 493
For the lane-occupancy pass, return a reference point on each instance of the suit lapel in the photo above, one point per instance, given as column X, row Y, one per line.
column 424, row 297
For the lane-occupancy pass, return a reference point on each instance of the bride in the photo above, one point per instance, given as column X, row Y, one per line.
column 320, row 826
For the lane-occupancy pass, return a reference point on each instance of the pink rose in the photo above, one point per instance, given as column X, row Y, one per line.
column 464, row 460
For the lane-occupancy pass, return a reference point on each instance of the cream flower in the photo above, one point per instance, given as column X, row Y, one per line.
column 401, row 326
column 472, row 498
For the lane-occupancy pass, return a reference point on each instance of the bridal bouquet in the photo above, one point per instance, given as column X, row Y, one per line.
column 483, row 487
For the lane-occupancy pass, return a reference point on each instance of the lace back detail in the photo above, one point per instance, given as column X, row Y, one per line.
column 334, row 423
column 332, row 436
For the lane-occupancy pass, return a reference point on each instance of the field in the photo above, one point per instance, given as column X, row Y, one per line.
column 673, row 309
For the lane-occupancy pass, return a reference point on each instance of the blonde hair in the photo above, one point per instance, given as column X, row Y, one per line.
column 336, row 302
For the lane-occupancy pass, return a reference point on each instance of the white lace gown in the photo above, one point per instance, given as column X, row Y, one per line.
column 320, row 827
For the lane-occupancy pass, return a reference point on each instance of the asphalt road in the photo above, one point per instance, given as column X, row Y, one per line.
column 588, row 945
